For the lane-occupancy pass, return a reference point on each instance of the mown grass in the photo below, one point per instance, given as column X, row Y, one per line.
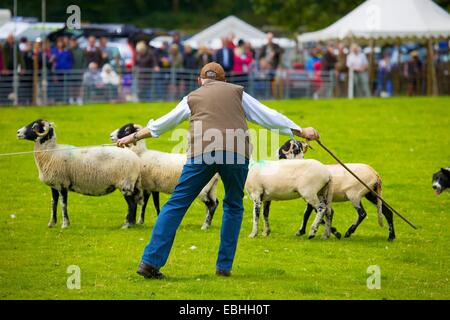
column 406, row 140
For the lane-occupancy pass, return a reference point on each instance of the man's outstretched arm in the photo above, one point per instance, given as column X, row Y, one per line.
column 260, row 114
column 155, row 128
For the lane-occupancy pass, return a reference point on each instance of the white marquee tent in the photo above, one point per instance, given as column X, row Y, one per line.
column 29, row 30
column 211, row 36
column 384, row 19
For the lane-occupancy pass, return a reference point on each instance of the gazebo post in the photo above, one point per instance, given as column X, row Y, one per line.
column 351, row 80
column 371, row 62
column 432, row 89
column 399, row 69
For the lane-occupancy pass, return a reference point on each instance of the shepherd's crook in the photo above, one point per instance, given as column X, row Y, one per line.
column 364, row 184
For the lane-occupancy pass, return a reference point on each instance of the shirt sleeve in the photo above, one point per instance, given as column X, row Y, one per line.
column 169, row 121
column 258, row 113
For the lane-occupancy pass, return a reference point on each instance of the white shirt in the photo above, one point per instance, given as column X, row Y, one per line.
column 254, row 111
column 357, row 61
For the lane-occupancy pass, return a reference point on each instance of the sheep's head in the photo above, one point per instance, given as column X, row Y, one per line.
column 124, row 131
column 39, row 130
column 293, row 149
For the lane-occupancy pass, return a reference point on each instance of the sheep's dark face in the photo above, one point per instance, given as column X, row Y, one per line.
column 39, row 130
column 124, row 131
column 292, row 149
column 441, row 181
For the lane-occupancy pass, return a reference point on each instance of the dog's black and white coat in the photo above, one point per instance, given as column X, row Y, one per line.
column 441, row 181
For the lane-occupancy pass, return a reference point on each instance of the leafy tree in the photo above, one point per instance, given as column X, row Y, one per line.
column 307, row 15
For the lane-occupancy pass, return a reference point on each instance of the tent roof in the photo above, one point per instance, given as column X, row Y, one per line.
column 29, row 30
column 211, row 36
column 382, row 19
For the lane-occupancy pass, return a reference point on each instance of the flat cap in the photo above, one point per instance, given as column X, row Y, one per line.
column 213, row 71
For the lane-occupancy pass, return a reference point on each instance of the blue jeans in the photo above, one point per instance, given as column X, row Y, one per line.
column 197, row 172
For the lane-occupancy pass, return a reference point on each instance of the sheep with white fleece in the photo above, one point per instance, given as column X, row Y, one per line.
column 93, row 171
column 161, row 171
column 286, row 180
column 346, row 188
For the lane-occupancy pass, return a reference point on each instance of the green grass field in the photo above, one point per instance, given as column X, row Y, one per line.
column 406, row 140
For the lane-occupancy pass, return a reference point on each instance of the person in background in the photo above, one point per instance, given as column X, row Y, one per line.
column 3, row 98
column 8, row 67
column 297, row 61
column 176, row 63
column 62, row 58
column 317, row 82
column 189, row 59
column 190, row 63
column 110, row 55
column 23, row 46
column 92, row 83
column 357, row 61
column 62, row 63
column 26, row 81
column 176, row 40
column 203, row 56
column 328, row 65
column 271, row 52
column 146, row 62
column 2, row 61
column 163, row 56
column 230, row 40
column 341, row 71
column 28, row 56
column 224, row 56
column 263, row 78
column 92, row 53
column 79, row 64
column 384, row 76
column 111, row 82
column 242, row 58
column 176, row 58
column 314, row 57
column 413, row 72
column 8, row 55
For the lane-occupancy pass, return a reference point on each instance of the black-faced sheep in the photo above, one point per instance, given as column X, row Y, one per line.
column 161, row 171
column 346, row 188
column 94, row 171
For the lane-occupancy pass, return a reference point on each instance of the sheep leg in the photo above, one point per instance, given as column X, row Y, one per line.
column 328, row 222
column 387, row 214
column 144, row 206
column 334, row 231
column 53, row 216
column 266, row 210
column 211, row 206
column 321, row 210
column 389, row 218
column 64, row 195
column 256, row 211
column 130, row 220
column 155, row 196
column 361, row 215
column 306, row 215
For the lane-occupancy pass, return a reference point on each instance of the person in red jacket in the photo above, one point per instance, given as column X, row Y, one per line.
column 243, row 58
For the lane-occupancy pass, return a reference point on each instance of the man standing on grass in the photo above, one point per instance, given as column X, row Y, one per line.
column 218, row 143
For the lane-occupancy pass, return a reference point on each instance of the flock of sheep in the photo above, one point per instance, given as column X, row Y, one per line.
column 98, row 171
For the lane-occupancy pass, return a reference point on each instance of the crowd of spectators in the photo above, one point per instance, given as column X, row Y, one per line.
column 329, row 68
column 96, row 69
